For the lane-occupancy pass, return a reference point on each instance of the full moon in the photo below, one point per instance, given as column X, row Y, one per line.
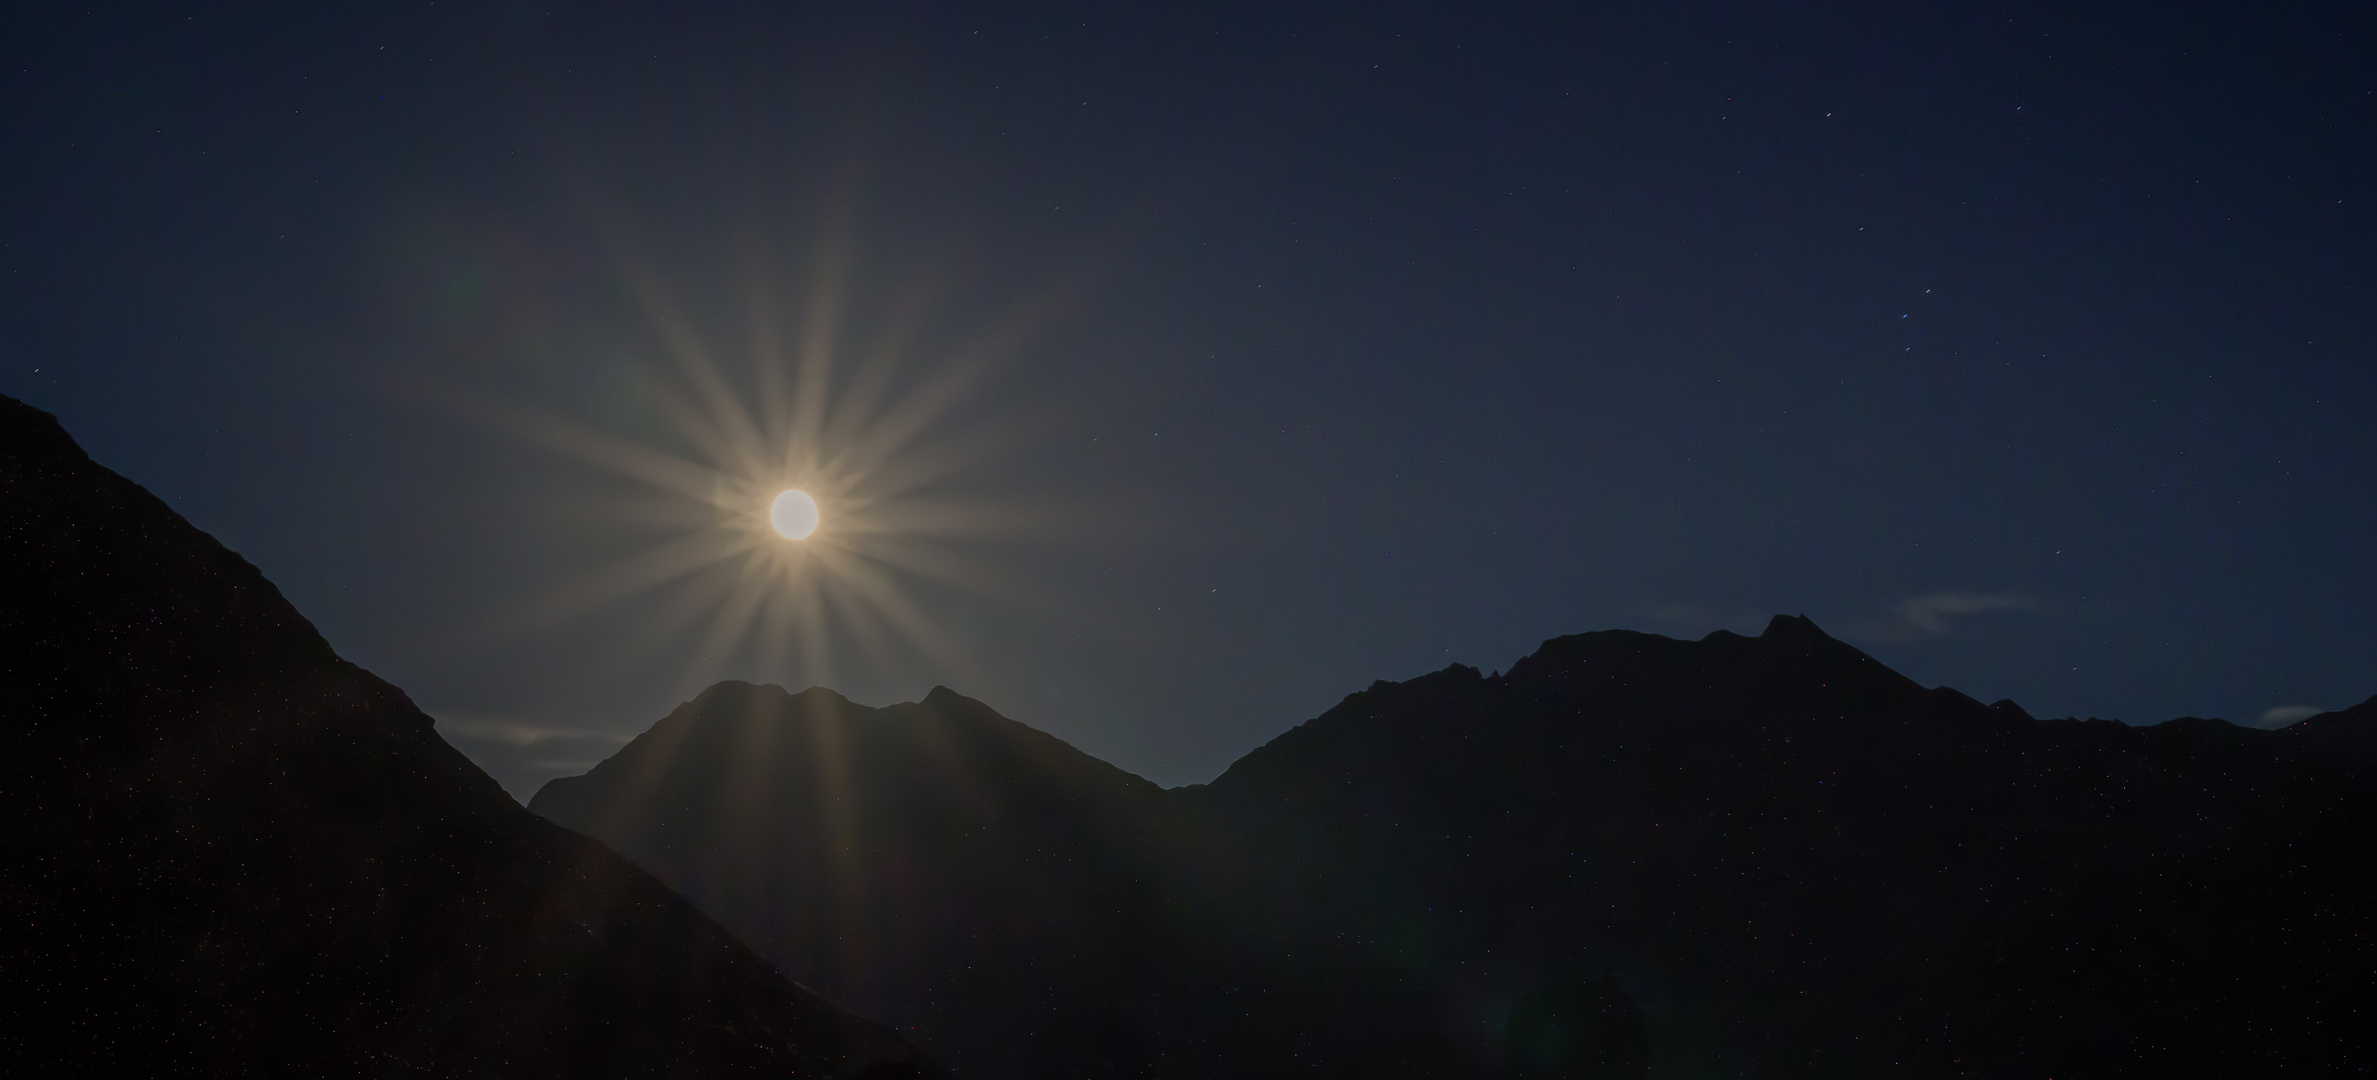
column 794, row 514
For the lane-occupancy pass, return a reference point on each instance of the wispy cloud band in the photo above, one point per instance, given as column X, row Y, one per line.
column 1934, row 613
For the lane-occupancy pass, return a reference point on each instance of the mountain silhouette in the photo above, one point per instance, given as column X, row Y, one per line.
column 230, row 852
column 1737, row 856
column 1014, row 904
column 935, row 865
column 2344, row 735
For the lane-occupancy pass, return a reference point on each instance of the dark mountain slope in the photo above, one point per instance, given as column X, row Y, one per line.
column 1804, row 864
column 231, row 852
column 1007, row 899
column 1780, row 856
column 935, row 864
column 2344, row 735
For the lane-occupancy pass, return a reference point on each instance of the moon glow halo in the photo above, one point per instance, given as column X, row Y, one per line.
column 739, row 445
column 794, row 514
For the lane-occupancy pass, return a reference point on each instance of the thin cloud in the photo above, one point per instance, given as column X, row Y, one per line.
column 1914, row 618
column 523, row 754
column 1936, row 613
column 512, row 731
column 2286, row 714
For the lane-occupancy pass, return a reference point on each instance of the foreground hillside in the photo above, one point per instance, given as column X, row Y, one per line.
column 230, row 852
column 1764, row 856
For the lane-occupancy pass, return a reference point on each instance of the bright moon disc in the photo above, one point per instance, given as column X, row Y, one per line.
column 794, row 514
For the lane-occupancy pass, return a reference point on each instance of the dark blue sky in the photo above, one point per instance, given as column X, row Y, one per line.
column 2027, row 348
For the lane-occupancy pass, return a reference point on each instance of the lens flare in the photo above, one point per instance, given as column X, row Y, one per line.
column 818, row 419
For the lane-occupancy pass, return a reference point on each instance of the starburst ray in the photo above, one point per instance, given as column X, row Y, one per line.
column 813, row 385
column 649, row 569
column 849, row 394
column 721, row 423
column 629, row 459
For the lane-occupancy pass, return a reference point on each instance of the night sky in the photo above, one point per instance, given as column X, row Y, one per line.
column 1204, row 363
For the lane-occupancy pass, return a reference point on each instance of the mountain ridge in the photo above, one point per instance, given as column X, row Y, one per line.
column 1775, row 854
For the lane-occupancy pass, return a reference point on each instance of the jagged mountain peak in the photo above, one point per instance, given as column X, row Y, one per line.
column 1637, row 689
column 944, row 697
column 1793, row 626
column 1791, row 645
column 721, row 727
